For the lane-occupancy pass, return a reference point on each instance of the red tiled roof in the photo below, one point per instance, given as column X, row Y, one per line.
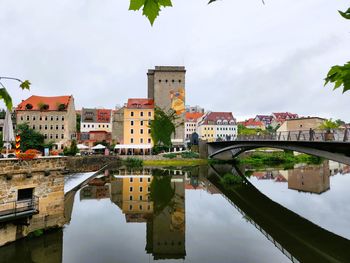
column 213, row 117
column 103, row 115
column 140, row 104
column 252, row 122
column 193, row 116
column 52, row 102
column 285, row 115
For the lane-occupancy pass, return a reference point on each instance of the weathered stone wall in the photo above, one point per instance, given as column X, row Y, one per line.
column 50, row 191
column 9, row 167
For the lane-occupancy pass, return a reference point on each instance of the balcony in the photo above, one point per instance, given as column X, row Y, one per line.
column 19, row 209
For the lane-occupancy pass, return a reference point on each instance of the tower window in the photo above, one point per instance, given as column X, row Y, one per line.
column 173, row 81
column 166, row 80
column 160, row 81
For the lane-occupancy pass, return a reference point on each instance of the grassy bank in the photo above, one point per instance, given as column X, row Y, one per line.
column 176, row 162
column 277, row 158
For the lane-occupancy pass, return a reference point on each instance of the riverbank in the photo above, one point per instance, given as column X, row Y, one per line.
column 259, row 158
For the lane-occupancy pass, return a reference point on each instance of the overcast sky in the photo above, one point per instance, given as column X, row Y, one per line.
column 241, row 56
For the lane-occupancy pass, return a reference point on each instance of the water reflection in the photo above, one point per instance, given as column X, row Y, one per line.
column 214, row 213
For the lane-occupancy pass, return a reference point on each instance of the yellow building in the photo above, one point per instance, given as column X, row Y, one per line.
column 137, row 132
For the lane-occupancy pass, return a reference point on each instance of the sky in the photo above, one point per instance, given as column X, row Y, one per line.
column 241, row 56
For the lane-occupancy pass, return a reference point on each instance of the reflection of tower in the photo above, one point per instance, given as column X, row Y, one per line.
column 313, row 179
column 166, row 231
column 166, row 85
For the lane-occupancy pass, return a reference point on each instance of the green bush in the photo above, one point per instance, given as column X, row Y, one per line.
column 190, row 155
column 170, row 155
column 230, row 179
column 131, row 162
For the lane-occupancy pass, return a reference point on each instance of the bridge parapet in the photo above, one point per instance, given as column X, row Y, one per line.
column 337, row 135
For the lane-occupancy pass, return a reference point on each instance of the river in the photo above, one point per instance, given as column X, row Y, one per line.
column 200, row 215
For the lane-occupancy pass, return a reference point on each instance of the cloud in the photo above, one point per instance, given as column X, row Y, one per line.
column 240, row 56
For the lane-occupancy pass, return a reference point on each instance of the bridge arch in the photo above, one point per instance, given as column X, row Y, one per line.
column 336, row 151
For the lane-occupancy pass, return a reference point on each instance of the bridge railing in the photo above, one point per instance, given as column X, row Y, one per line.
column 14, row 208
column 337, row 135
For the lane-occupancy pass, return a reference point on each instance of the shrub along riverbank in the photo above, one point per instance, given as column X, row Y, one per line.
column 277, row 158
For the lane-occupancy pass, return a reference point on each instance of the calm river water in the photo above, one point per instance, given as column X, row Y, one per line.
column 200, row 215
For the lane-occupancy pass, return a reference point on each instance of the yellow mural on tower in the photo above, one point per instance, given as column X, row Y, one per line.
column 177, row 97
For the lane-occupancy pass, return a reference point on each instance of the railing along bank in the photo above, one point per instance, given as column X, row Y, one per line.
column 339, row 135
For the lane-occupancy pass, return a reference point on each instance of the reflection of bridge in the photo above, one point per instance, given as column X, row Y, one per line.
column 296, row 237
column 336, row 151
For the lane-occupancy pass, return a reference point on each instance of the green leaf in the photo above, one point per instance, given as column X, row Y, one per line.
column 165, row 3
column 211, row 1
column 151, row 10
column 345, row 14
column 136, row 4
column 340, row 76
column 6, row 98
column 25, row 85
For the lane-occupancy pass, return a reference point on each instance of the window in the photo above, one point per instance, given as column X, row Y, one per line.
column 62, row 118
column 50, row 136
column 160, row 81
column 132, row 114
column 93, row 125
column 149, row 179
column 45, row 136
column 21, row 118
column 131, row 179
column 40, row 127
column 56, row 127
column 140, row 206
column 149, row 131
column 141, row 123
column 141, row 179
column 62, row 136
column 132, row 123
column 57, row 118
column 27, row 118
column 180, row 80
column 45, row 127
column 51, row 127
column 132, row 131
column 25, row 194
column 148, row 188
column 99, row 126
column 166, row 80
column 140, row 197
column 149, row 114
column 45, row 118
column 56, row 136
column 141, row 113
column 131, row 189
column 141, row 131
column 62, row 127
column 149, row 140
column 51, row 118
column 33, row 118
column 84, row 126
column 172, row 81
column 130, row 197
column 141, row 140
column 132, row 140
column 33, row 127
column 130, row 207
column 141, row 189
column 103, row 126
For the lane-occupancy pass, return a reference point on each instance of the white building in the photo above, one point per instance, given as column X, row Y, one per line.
column 217, row 126
column 191, row 119
column 96, row 120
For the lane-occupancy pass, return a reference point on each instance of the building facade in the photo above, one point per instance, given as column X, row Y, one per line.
column 301, row 124
column 96, row 120
column 279, row 117
column 137, row 132
column 253, row 124
column 217, row 126
column 191, row 124
column 166, row 86
column 54, row 117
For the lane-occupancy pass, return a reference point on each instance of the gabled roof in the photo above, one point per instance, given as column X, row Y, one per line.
column 36, row 101
column 193, row 116
column 285, row 115
column 252, row 122
column 213, row 117
column 140, row 104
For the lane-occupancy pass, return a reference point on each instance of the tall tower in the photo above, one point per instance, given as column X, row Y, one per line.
column 166, row 85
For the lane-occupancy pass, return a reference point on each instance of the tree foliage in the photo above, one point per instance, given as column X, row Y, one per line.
column 151, row 8
column 30, row 139
column 72, row 150
column 5, row 96
column 162, row 127
column 340, row 75
column 330, row 124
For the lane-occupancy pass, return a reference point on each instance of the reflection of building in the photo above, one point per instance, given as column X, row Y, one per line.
column 95, row 192
column 166, row 230
column 313, row 179
column 166, row 85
